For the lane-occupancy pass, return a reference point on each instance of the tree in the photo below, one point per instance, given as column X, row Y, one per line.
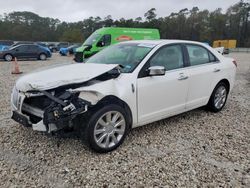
column 72, row 35
column 108, row 21
column 193, row 24
column 138, row 19
column 150, row 15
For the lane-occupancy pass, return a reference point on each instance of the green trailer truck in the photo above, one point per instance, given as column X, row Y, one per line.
column 106, row 36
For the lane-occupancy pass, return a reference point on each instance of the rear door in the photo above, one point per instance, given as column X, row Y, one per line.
column 202, row 70
column 33, row 51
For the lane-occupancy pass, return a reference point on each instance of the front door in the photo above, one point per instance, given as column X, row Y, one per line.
column 22, row 51
column 161, row 96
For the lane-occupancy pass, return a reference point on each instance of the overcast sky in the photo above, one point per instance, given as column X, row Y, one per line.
column 76, row 10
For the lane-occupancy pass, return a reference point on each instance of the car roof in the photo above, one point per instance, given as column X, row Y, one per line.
column 163, row 41
column 25, row 45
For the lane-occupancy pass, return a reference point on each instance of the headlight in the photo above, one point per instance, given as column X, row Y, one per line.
column 33, row 94
column 14, row 96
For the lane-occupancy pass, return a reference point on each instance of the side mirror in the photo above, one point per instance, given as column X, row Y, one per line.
column 156, row 71
column 88, row 48
column 100, row 44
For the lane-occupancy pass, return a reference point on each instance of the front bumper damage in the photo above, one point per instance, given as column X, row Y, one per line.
column 50, row 105
column 56, row 112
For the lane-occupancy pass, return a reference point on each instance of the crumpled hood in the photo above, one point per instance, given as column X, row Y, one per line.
column 60, row 76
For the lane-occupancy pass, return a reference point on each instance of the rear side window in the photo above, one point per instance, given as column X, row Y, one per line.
column 212, row 58
column 32, row 48
column 197, row 55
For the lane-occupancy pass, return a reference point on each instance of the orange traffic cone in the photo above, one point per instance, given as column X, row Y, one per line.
column 16, row 67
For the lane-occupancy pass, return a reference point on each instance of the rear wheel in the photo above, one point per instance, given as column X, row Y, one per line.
column 106, row 129
column 218, row 98
column 8, row 57
column 42, row 57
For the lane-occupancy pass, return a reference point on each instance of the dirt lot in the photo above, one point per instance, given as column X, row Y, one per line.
column 194, row 149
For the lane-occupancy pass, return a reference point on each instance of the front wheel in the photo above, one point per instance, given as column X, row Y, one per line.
column 42, row 57
column 8, row 57
column 218, row 98
column 106, row 129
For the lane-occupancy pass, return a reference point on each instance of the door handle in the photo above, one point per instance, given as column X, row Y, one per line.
column 216, row 70
column 182, row 77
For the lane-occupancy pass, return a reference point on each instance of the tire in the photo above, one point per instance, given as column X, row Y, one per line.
column 42, row 57
column 8, row 57
column 218, row 98
column 102, row 137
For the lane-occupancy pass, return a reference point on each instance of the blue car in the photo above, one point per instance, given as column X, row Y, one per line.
column 71, row 49
column 63, row 51
column 4, row 47
column 46, row 49
column 5, row 44
column 25, row 51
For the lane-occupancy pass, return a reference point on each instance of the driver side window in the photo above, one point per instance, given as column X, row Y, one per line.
column 105, row 40
column 22, row 48
column 169, row 57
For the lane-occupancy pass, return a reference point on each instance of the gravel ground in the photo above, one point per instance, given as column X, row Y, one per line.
column 194, row 149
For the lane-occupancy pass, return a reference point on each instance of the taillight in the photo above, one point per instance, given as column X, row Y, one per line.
column 235, row 63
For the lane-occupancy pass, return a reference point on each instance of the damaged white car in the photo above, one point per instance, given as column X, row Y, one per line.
column 124, row 86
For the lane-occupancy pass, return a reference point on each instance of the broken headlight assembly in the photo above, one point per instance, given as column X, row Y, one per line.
column 63, row 108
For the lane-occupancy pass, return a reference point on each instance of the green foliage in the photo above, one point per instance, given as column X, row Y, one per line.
column 72, row 35
column 150, row 15
column 193, row 24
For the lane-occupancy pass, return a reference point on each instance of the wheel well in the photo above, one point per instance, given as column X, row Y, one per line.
column 114, row 100
column 225, row 81
column 8, row 54
column 42, row 53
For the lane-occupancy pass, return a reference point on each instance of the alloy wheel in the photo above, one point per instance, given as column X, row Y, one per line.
column 109, row 129
column 42, row 56
column 220, row 97
column 8, row 57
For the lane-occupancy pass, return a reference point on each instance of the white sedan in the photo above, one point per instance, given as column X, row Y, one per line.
column 126, row 85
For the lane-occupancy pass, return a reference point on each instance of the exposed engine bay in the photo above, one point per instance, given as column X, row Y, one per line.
column 63, row 109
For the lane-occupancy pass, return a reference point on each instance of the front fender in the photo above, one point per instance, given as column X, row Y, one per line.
column 96, row 92
column 121, row 87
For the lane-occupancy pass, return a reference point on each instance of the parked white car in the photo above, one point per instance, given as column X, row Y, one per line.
column 124, row 86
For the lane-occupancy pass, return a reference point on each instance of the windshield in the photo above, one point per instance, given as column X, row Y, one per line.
column 92, row 39
column 72, row 46
column 128, row 55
